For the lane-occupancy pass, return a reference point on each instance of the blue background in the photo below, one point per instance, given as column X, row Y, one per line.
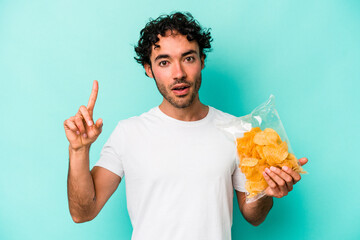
column 306, row 53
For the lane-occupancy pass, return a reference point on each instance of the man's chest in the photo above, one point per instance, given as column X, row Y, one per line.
column 177, row 154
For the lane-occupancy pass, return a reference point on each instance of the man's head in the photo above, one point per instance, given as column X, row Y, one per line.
column 183, row 23
column 172, row 50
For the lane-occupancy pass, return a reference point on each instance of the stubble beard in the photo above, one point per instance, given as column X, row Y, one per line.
column 166, row 93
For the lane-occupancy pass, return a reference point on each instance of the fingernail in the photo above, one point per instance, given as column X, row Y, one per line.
column 267, row 170
column 84, row 135
column 77, row 132
column 90, row 123
column 285, row 168
column 272, row 168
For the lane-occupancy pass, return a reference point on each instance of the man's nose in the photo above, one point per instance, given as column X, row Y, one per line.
column 178, row 71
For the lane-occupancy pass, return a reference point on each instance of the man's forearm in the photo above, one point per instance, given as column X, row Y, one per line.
column 256, row 212
column 81, row 191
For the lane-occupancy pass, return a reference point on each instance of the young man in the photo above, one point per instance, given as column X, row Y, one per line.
column 180, row 169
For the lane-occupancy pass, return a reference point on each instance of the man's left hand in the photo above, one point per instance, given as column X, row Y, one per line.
column 281, row 181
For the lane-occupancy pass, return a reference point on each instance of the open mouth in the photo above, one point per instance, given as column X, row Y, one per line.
column 181, row 89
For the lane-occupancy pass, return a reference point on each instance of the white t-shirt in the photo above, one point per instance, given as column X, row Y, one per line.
column 179, row 175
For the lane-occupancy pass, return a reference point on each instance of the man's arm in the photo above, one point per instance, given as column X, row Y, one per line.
column 280, row 183
column 255, row 212
column 87, row 191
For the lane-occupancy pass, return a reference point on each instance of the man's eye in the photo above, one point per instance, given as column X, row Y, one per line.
column 162, row 63
column 190, row 59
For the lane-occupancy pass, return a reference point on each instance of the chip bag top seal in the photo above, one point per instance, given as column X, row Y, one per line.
column 261, row 142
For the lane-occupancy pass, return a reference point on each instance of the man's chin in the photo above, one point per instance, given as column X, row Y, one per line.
column 183, row 102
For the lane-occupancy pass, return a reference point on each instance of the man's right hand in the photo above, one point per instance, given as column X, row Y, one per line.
column 80, row 129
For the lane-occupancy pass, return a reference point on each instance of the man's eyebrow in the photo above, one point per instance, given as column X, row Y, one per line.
column 167, row 56
column 161, row 56
column 188, row 52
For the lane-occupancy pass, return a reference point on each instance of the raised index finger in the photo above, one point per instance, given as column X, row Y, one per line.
column 93, row 96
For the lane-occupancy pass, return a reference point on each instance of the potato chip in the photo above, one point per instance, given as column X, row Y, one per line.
column 292, row 162
column 262, row 167
column 275, row 154
column 250, row 171
column 250, row 162
column 254, row 153
column 259, row 150
column 257, row 176
column 256, row 186
column 267, row 137
column 291, row 157
column 245, row 144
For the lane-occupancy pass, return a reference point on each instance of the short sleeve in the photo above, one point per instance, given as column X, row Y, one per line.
column 111, row 154
column 238, row 179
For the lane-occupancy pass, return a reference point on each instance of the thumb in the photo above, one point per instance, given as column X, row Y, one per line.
column 303, row 161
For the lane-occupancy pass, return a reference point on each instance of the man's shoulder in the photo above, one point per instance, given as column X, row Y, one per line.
column 221, row 115
column 139, row 119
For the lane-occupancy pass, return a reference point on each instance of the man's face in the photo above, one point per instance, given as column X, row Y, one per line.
column 176, row 67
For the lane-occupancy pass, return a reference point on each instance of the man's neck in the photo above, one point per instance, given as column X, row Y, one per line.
column 194, row 112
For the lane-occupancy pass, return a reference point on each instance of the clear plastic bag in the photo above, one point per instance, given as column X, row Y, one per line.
column 263, row 117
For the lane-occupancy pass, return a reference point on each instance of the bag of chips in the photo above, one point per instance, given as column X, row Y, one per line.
column 261, row 142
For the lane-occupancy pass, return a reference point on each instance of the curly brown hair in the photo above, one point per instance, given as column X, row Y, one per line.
column 184, row 23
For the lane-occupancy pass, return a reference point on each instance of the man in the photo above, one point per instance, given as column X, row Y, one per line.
column 180, row 169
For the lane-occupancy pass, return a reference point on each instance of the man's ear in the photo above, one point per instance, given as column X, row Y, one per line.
column 148, row 71
column 202, row 62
